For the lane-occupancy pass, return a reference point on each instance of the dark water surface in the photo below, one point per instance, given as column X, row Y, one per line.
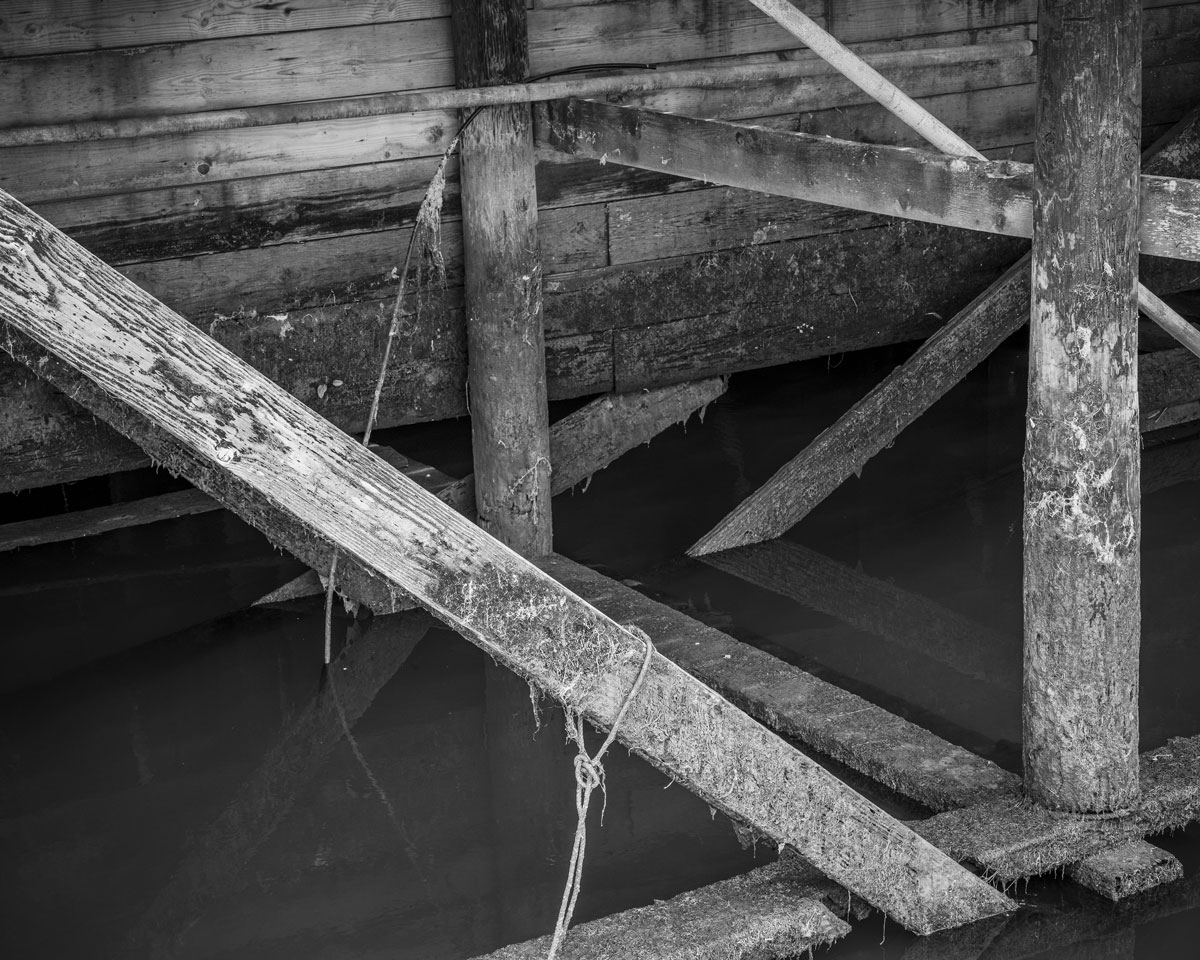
column 174, row 781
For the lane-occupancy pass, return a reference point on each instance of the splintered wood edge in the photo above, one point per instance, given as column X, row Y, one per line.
column 163, row 383
column 1127, row 870
column 771, row 912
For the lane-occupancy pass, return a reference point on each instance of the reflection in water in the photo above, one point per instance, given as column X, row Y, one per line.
column 217, row 856
column 196, row 797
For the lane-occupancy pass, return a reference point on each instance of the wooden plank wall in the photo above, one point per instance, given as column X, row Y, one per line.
column 283, row 241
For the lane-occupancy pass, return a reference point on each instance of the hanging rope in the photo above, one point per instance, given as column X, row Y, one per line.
column 425, row 236
column 589, row 774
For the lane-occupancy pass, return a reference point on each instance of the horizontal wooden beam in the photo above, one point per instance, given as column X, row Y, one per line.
column 581, row 444
column 613, row 328
column 770, row 913
column 914, row 386
column 1127, row 870
column 1013, row 839
column 991, row 196
column 211, row 417
column 469, row 98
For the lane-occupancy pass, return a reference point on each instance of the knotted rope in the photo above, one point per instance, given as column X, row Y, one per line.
column 589, row 774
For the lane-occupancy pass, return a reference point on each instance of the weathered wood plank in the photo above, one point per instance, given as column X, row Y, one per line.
column 1017, row 839
column 768, row 914
column 203, row 216
column 1166, row 465
column 899, row 754
column 520, row 91
column 1127, row 870
column 795, row 300
column 985, row 195
column 239, row 214
column 829, row 91
column 343, row 267
column 232, row 72
column 100, row 520
column 996, row 116
column 875, row 421
column 1168, row 377
column 586, row 441
column 700, row 221
column 44, row 438
column 66, row 26
column 63, row 171
column 83, row 326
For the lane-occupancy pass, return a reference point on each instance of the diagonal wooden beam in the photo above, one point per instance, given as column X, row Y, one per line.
column 993, row 196
column 911, row 389
column 202, row 412
column 589, row 439
column 868, row 79
column 581, row 444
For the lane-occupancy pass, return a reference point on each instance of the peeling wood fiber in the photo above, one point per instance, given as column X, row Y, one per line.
column 203, row 413
column 1082, row 516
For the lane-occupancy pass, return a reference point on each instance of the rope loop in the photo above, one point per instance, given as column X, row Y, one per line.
column 589, row 774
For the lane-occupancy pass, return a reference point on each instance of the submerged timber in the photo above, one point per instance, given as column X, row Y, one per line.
column 232, row 239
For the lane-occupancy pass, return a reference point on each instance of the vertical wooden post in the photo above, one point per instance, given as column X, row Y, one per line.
column 1082, row 497
column 505, row 340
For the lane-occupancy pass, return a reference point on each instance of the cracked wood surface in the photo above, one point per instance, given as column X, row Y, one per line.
column 204, row 413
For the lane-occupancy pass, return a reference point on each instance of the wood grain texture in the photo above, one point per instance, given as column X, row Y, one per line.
column 838, row 724
column 64, row 26
column 100, row 520
column 773, row 911
column 985, row 195
column 942, row 361
column 1018, row 839
column 828, row 92
column 243, row 440
column 800, row 299
column 612, row 425
column 1168, row 377
column 506, row 352
column 234, row 72
column 1127, row 870
column 1082, row 516
column 39, row 174
column 872, row 423
column 685, row 311
column 581, row 444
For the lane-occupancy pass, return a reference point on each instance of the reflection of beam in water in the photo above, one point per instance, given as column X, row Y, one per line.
column 906, row 758
column 877, row 607
column 218, row 855
column 1089, row 928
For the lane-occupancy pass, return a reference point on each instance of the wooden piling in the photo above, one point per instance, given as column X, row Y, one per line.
column 510, row 424
column 1082, row 501
column 212, row 418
